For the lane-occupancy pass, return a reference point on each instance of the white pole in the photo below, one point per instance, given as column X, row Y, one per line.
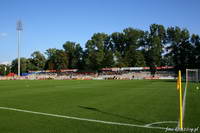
column 18, row 52
column 197, row 75
column 19, row 29
column 5, row 69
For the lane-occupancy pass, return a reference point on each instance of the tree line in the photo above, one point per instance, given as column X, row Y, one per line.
column 159, row 46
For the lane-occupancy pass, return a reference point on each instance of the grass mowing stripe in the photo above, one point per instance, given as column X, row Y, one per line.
column 82, row 119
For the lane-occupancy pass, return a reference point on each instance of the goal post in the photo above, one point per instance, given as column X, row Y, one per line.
column 192, row 78
column 192, row 75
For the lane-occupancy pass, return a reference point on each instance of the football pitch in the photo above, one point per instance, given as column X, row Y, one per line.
column 104, row 106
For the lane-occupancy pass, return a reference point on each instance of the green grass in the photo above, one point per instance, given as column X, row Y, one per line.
column 192, row 113
column 133, row 101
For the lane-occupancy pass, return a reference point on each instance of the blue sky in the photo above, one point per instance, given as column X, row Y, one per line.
column 50, row 23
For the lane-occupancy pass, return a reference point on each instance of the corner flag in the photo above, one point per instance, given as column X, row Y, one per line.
column 178, row 82
column 179, row 87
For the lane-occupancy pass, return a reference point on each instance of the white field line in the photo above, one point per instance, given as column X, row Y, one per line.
column 184, row 102
column 82, row 119
column 161, row 122
column 184, row 99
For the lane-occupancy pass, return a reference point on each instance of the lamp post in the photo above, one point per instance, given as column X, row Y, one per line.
column 19, row 29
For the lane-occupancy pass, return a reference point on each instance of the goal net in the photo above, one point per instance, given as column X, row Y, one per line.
column 192, row 75
column 191, row 90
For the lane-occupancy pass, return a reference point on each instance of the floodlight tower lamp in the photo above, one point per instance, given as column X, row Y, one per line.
column 19, row 29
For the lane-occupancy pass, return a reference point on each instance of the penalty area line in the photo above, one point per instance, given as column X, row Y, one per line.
column 81, row 119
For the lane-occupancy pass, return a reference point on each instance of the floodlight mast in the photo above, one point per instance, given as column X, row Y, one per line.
column 19, row 29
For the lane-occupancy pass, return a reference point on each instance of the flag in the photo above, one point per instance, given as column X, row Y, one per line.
column 178, row 82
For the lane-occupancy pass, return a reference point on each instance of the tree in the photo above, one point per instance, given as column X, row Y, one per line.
column 126, row 47
column 130, row 48
column 95, row 52
column 50, row 52
column 49, row 65
column 60, row 60
column 132, row 39
column 30, row 65
column 38, row 60
column 74, row 53
column 180, row 47
column 195, row 40
column 4, row 69
column 118, row 43
column 108, row 60
column 23, row 65
column 154, row 45
column 57, row 59
column 167, row 60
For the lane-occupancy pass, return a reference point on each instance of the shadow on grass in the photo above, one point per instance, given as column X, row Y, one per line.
column 111, row 114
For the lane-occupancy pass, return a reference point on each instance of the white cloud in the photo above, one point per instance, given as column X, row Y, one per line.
column 3, row 34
